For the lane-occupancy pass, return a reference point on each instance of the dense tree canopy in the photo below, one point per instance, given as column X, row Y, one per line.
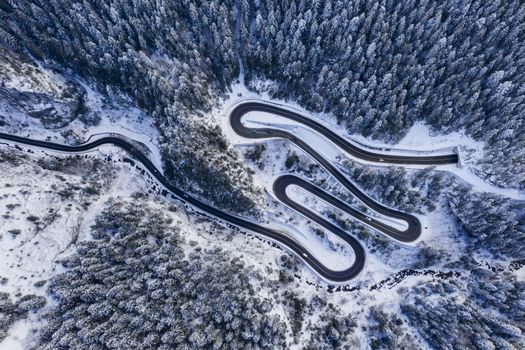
column 134, row 287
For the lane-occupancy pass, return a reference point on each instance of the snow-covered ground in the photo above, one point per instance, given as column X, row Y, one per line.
column 31, row 255
column 63, row 205
column 310, row 201
column 418, row 141
column 45, row 213
column 322, row 248
column 118, row 116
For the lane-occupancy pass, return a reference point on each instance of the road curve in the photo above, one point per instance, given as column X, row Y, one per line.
column 414, row 225
column 283, row 182
column 288, row 242
column 241, row 109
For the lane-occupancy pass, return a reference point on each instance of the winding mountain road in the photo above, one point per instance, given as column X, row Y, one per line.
column 414, row 226
column 280, row 186
column 275, row 235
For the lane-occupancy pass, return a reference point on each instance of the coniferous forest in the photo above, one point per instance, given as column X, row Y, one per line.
column 135, row 278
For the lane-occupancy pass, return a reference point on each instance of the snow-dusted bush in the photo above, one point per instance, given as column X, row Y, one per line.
column 11, row 312
column 387, row 331
column 395, row 187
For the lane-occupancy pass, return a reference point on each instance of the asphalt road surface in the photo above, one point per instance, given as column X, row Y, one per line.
column 283, row 182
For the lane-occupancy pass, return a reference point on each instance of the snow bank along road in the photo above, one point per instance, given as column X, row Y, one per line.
column 280, row 185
